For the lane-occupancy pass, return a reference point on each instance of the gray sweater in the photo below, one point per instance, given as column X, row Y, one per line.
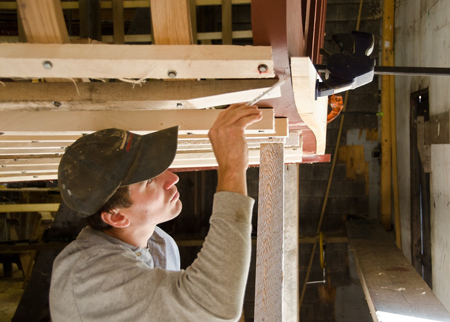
column 100, row 278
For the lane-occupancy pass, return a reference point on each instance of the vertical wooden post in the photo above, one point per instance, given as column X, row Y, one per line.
column 269, row 255
column 386, row 159
column 118, row 22
column 90, row 20
column 193, row 13
column 226, row 22
column 171, row 22
column 290, row 304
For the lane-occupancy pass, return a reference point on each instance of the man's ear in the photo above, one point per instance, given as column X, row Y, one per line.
column 115, row 218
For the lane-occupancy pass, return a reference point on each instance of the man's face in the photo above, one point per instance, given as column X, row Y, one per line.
column 154, row 201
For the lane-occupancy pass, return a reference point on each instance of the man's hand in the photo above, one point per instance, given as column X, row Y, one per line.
column 230, row 147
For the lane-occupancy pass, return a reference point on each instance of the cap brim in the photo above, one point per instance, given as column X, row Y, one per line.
column 155, row 155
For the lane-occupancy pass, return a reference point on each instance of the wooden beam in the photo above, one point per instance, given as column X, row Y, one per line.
column 118, row 22
column 394, row 290
column 109, row 39
column 126, row 61
column 312, row 111
column 43, row 21
column 171, row 21
column 78, row 122
column 118, row 95
column 36, row 207
column 269, row 257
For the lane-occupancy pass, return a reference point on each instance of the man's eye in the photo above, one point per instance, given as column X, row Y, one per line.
column 149, row 181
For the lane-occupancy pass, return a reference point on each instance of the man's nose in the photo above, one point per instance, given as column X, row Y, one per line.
column 170, row 179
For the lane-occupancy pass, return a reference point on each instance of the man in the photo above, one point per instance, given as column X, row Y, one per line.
column 123, row 267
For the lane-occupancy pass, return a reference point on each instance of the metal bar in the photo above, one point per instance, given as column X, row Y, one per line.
column 401, row 70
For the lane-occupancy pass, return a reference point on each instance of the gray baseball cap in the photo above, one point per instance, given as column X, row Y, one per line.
column 96, row 165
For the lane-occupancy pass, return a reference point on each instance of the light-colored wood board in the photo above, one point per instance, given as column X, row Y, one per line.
column 313, row 112
column 171, row 22
column 118, row 22
column 182, row 161
column 78, row 122
column 281, row 131
column 18, row 169
column 269, row 256
column 128, row 61
column 34, row 151
column 394, row 290
column 36, row 207
column 43, row 21
column 290, row 305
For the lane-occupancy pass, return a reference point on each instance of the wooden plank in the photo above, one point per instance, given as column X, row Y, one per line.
column 126, row 61
column 227, row 22
column 171, row 22
column 183, row 161
column 269, row 257
column 78, row 122
column 118, row 21
column 109, row 39
column 290, row 305
column 312, row 111
column 43, row 21
column 36, row 207
column 151, row 95
column 281, row 131
column 394, row 290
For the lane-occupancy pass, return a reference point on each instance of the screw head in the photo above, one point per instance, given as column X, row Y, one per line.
column 263, row 68
column 57, row 104
column 172, row 73
column 47, row 64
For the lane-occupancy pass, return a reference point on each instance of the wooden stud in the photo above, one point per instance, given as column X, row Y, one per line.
column 193, row 14
column 126, row 61
column 227, row 22
column 269, row 258
column 43, row 21
column 171, row 22
column 90, row 19
column 386, row 140
column 119, row 32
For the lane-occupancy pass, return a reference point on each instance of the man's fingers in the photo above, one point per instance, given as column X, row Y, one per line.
column 234, row 113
